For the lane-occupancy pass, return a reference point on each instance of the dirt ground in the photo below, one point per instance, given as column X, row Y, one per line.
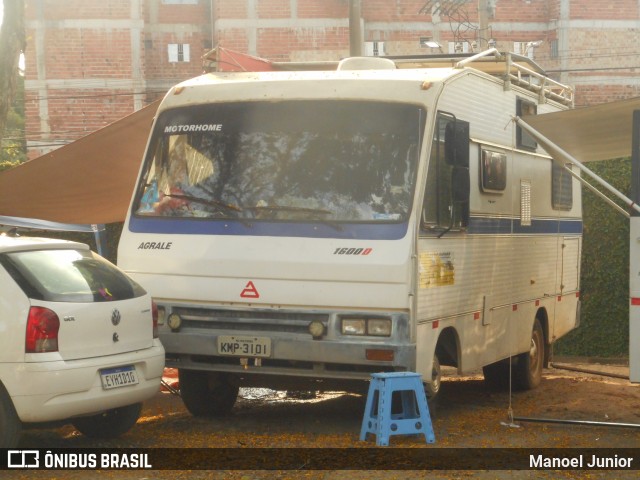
column 602, row 412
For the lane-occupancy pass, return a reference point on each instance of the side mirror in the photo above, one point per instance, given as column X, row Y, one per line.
column 460, row 185
column 456, row 143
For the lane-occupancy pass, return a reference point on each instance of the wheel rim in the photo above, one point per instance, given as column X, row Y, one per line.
column 435, row 375
column 534, row 352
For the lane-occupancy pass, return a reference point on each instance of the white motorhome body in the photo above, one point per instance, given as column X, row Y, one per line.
column 331, row 224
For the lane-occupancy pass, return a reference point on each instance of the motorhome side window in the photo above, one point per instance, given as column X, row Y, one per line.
column 523, row 139
column 493, row 171
column 348, row 161
column 561, row 187
column 446, row 200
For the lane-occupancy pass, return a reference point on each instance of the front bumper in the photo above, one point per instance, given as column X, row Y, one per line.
column 294, row 351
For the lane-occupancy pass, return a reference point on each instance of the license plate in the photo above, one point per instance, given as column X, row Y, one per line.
column 118, row 377
column 244, row 346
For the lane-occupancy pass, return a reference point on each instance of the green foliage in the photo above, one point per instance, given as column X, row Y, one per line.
column 13, row 146
column 604, row 331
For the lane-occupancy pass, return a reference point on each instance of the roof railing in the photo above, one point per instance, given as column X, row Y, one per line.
column 513, row 68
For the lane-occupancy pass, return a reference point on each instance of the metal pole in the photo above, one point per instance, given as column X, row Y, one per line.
column 483, row 21
column 634, row 256
column 585, row 370
column 355, row 28
column 577, row 422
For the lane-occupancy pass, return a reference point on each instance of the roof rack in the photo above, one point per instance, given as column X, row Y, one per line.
column 514, row 69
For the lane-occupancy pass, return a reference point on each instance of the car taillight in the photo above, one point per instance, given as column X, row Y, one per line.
column 42, row 331
column 154, row 313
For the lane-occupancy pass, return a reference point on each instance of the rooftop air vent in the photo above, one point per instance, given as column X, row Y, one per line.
column 366, row 63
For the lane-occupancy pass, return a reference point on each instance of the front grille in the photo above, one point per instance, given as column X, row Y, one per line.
column 249, row 320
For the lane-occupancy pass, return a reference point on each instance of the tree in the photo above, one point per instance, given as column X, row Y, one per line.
column 12, row 45
column 13, row 148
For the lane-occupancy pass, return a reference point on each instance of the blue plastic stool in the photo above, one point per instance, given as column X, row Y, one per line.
column 382, row 421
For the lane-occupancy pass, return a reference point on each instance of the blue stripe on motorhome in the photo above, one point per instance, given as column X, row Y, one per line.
column 356, row 231
column 502, row 226
column 377, row 231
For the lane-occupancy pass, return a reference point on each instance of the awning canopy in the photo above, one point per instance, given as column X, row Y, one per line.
column 600, row 132
column 89, row 181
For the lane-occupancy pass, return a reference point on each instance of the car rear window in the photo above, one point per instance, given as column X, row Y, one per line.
column 69, row 276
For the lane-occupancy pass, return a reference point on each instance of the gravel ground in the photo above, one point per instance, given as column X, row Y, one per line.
column 469, row 416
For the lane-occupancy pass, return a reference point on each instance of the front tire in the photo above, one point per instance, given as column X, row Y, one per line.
column 528, row 372
column 207, row 394
column 109, row 424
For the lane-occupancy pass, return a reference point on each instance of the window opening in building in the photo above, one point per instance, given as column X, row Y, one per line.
column 179, row 52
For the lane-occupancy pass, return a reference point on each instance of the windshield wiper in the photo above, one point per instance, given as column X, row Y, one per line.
column 286, row 208
column 213, row 203
column 312, row 211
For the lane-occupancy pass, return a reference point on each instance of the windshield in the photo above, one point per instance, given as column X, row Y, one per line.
column 334, row 161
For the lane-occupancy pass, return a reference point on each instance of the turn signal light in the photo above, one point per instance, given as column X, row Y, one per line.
column 379, row 355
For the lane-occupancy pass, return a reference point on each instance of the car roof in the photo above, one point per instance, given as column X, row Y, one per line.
column 10, row 243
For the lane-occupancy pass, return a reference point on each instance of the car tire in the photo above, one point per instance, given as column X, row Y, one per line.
column 10, row 425
column 109, row 424
column 207, row 394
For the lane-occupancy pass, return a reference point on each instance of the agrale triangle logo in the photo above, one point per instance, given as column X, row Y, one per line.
column 250, row 291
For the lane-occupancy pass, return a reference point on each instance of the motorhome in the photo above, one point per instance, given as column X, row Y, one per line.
column 304, row 227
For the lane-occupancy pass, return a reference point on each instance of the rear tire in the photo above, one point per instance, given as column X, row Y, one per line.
column 528, row 369
column 207, row 394
column 109, row 424
column 10, row 425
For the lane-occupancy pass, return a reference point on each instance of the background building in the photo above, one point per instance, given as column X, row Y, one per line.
column 91, row 62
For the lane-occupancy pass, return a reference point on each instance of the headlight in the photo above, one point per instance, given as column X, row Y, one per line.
column 354, row 326
column 316, row 329
column 379, row 327
column 174, row 321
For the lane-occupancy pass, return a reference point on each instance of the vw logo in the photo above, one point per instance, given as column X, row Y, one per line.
column 115, row 316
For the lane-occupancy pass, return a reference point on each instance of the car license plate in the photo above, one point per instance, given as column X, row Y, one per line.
column 244, row 346
column 118, row 377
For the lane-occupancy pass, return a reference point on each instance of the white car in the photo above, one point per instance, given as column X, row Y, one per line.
column 78, row 340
